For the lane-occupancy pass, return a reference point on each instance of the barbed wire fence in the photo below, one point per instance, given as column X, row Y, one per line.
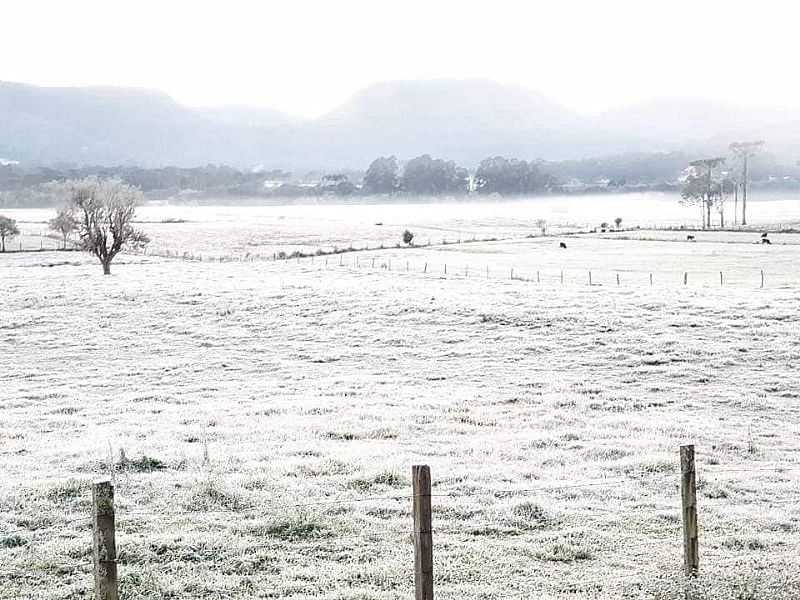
column 680, row 541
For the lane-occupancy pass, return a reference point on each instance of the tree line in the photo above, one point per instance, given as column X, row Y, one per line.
column 711, row 183
column 421, row 176
column 425, row 175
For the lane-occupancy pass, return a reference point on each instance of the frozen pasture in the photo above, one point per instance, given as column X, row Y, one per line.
column 260, row 420
column 260, row 231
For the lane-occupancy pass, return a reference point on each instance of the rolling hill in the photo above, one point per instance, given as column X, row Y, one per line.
column 462, row 120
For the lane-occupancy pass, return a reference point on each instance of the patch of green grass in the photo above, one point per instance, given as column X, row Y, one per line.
column 387, row 478
column 210, row 495
column 325, row 468
column 349, row 436
column 67, row 490
column 738, row 543
column 532, row 515
column 294, row 527
column 143, row 464
column 12, row 541
column 563, row 552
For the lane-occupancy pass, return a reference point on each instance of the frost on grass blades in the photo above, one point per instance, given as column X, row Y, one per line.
column 259, row 420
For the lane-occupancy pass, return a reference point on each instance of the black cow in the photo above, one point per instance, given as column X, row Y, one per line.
column 690, row 238
column 562, row 245
column 766, row 241
column 765, row 234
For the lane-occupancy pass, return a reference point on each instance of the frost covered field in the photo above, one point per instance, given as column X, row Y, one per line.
column 260, row 419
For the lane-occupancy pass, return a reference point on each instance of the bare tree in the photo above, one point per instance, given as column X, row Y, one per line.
column 618, row 222
column 693, row 190
column 64, row 223
column 542, row 225
column 744, row 151
column 104, row 210
column 704, row 171
column 8, row 229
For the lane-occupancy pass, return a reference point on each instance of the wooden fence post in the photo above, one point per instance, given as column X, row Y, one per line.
column 562, row 277
column 617, row 278
column 685, row 278
column 651, row 279
column 423, row 533
column 104, row 543
column 512, row 273
column 762, row 278
column 425, row 270
column 691, row 556
column 720, row 279
column 538, row 280
column 590, row 278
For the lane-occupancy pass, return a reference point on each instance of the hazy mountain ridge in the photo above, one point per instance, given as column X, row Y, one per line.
column 462, row 120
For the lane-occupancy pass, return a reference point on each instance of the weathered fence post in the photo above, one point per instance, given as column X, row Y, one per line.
column 445, row 268
column 423, row 533
column 685, row 278
column 590, row 278
column 720, row 279
column 425, row 270
column 617, row 278
column 562, row 277
column 691, row 556
column 651, row 279
column 762, row 278
column 538, row 280
column 104, row 543
column 512, row 273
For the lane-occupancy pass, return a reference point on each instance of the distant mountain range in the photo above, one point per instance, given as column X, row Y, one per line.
column 462, row 120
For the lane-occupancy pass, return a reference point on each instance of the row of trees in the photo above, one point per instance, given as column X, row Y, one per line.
column 709, row 184
column 425, row 175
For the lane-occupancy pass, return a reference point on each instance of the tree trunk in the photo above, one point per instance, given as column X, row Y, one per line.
column 736, row 204
column 3, row 239
column 106, row 267
column 744, row 193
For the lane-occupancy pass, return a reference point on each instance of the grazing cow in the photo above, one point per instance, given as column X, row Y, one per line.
column 690, row 238
column 766, row 241
column 562, row 245
column 763, row 235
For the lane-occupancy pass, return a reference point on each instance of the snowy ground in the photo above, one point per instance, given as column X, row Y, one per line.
column 260, row 231
column 550, row 414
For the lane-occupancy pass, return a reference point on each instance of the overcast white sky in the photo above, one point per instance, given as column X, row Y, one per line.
column 306, row 57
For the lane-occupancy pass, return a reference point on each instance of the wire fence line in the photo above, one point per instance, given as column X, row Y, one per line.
column 567, row 276
column 664, row 539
